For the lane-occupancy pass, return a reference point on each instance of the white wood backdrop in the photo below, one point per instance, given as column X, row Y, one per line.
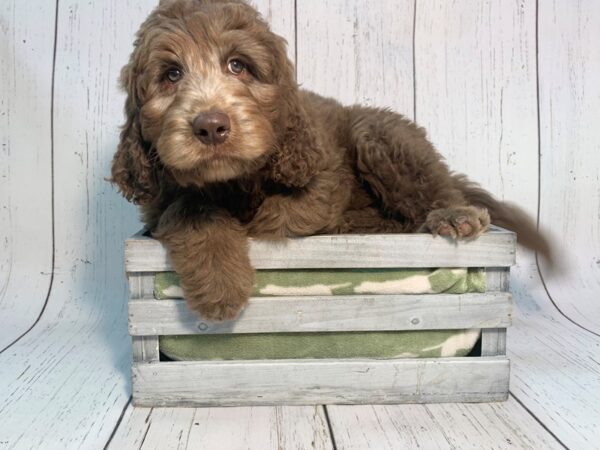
column 26, row 242
column 508, row 91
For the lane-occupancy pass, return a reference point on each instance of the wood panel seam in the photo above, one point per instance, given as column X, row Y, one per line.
column 539, row 181
column 537, row 419
column 52, row 222
column 329, row 428
column 119, row 421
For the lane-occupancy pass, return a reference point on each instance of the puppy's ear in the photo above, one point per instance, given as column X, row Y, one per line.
column 133, row 166
column 299, row 153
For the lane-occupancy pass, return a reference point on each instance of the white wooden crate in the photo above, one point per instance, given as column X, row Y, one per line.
column 330, row 381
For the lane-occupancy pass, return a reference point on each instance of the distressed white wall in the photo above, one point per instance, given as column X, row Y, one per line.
column 508, row 91
column 26, row 48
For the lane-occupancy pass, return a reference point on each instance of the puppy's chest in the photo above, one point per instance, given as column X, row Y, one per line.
column 240, row 205
column 244, row 200
column 240, row 200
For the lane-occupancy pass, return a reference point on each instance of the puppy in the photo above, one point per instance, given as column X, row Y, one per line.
column 220, row 144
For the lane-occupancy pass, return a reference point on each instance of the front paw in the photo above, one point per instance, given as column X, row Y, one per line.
column 219, row 311
column 220, row 297
column 459, row 222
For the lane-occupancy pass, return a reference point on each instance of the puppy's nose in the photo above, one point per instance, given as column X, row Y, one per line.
column 212, row 128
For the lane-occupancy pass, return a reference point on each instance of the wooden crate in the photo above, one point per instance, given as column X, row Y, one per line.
column 330, row 381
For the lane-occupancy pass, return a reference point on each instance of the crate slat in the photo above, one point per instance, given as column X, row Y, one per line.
column 305, row 382
column 496, row 248
column 497, row 278
column 334, row 313
column 144, row 348
column 493, row 341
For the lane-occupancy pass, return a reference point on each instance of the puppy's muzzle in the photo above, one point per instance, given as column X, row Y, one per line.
column 212, row 128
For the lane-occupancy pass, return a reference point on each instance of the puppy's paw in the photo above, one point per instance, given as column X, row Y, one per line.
column 459, row 222
column 220, row 297
column 219, row 311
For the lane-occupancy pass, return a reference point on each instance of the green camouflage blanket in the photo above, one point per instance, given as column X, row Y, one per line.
column 389, row 344
column 346, row 282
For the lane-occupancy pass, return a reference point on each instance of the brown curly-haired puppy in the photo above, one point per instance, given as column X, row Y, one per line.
column 220, row 144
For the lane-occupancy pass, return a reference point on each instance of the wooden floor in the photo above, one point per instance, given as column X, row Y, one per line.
column 65, row 384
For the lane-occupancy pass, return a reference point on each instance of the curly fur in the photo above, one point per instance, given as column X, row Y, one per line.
column 293, row 164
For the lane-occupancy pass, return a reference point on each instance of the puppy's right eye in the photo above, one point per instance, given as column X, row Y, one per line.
column 174, row 74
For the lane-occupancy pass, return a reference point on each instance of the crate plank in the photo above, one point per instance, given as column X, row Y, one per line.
column 493, row 249
column 141, row 285
column 493, row 341
column 335, row 313
column 305, row 382
column 144, row 348
column 497, row 278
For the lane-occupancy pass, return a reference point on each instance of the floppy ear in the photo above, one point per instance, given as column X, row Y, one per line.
column 133, row 166
column 299, row 153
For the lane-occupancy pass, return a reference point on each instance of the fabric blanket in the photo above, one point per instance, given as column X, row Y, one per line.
column 389, row 344
column 346, row 282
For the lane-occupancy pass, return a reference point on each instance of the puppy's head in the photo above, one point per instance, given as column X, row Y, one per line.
column 211, row 96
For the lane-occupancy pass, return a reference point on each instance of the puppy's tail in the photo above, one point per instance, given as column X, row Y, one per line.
column 508, row 216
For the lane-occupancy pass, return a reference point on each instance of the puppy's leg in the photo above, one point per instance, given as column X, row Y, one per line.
column 315, row 208
column 408, row 176
column 209, row 252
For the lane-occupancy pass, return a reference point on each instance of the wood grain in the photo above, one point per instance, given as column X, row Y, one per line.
column 493, row 341
column 357, row 52
column 569, row 70
column 169, row 429
column 26, row 49
column 497, row 278
column 280, row 15
column 131, row 431
column 476, row 91
column 493, row 249
column 259, row 427
column 66, row 382
column 280, row 427
column 144, row 348
column 504, row 425
column 306, row 382
column 555, row 365
column 333, row 313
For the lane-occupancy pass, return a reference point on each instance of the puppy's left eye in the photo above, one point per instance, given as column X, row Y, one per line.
column 236, row 66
